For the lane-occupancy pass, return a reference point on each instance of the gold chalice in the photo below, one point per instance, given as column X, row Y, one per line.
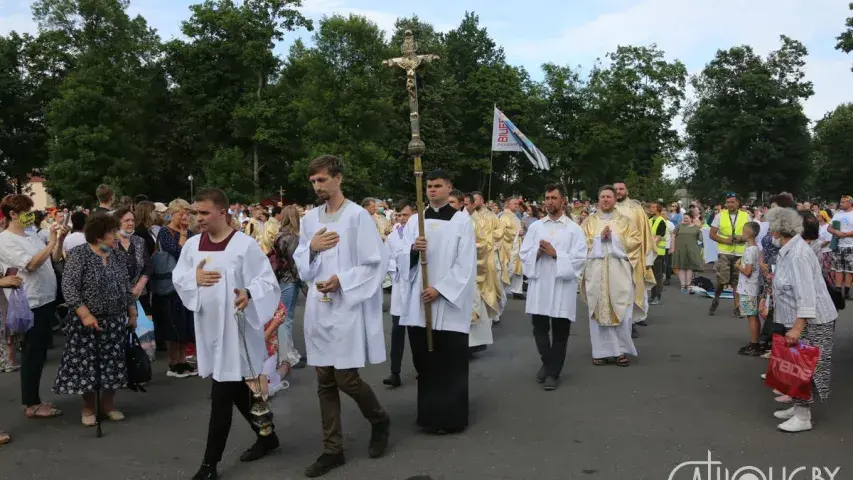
column 325, row 298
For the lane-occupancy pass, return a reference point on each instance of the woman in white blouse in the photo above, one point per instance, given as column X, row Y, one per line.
column 803, row 306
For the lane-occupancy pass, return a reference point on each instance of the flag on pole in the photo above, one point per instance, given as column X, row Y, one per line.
column 506, row 137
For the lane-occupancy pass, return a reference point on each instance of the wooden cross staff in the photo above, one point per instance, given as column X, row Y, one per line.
column 410, row 61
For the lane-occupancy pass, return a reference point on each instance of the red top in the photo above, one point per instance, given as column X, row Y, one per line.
column 206, row 245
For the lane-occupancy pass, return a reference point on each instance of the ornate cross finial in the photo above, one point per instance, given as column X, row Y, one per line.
column 410, row 61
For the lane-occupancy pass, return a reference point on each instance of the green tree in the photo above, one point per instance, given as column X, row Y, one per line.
column 845, row 40
column 833, row 144
column 747, row 130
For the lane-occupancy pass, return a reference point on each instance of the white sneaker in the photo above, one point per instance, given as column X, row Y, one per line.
column 786, row 414
column 764, row 376
column 766, row 354
column 800, row 422
column 783, row 399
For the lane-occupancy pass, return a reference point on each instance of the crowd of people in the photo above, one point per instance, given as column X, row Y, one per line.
column 221, row 281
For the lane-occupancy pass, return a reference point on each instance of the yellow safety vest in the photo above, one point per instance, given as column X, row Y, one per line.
column 725, row 231
column 661, row 247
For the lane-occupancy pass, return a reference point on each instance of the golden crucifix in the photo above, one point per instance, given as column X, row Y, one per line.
column 410, row 61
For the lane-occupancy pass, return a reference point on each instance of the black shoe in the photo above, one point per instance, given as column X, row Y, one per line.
column 751, row 350
column 262, row 446
column 325, row 464
column 634, row 332
column 393, row 380
column 541, row 374
column 714, row 304
column 666, row 282
column 206, row 472
column 379, row 434
column 643, row 323
column 550, row 384
column 301, row 363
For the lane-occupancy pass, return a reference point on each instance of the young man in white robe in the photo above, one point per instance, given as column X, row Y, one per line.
column 218, row 273
column 343, row 260
column 553, row 255
column 609, row 281
column 450, row 254
column 396, row 244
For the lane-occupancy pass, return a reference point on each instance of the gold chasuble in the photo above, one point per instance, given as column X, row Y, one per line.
column 607, row 280
column 509, row 244
column 382, row 225
column 254, row 229
column 640, row 221
column 487, row 274
column 271, row 229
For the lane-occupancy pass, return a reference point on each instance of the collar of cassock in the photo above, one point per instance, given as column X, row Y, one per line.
column 444, row 213
column 563, row 219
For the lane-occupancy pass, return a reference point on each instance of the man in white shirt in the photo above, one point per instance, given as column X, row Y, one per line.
column 841, row 227
column 396, row 244
column 552, row 255
column 30, row 259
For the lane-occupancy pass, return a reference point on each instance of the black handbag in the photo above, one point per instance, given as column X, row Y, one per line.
column 138, row 364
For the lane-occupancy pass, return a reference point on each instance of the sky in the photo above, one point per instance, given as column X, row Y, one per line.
column 576, row 32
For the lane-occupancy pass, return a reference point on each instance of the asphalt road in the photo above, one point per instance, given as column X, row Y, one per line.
column 687, row 394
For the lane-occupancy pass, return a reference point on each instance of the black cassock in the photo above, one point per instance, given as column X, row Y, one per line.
column 442, row 373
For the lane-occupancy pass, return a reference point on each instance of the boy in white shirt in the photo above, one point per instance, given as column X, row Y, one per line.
column 748, row 288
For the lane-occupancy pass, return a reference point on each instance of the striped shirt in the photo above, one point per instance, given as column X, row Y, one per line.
column 798, row 286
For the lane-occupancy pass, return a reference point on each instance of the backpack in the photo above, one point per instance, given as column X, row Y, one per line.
column 275, row 261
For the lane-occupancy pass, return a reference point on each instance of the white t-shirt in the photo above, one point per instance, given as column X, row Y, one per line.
column 16, row 252
column 73, row 240
column 824, row 236
column 846, row 219
column 749, row 285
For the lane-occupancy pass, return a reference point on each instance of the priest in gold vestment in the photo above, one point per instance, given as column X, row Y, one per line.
column 511, row 238
column 486, row 230
column 609, row 282
column 636, row 214
column 254, row 227
column 271, row 229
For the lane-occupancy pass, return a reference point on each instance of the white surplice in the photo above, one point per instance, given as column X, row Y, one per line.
column 346, row 332
column 612, row 341
column 219, row 347
column 451, row 262
column 553, row 282
column 395, row 243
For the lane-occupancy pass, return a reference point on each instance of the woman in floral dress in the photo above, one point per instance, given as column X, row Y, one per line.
column 98, row 291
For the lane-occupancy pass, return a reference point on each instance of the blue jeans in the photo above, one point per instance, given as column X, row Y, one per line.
column 289, row 294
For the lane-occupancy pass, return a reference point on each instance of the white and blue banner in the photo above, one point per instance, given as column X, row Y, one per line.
column 506, row 137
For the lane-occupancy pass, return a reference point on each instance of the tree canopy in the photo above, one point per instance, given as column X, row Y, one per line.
column 96, row 96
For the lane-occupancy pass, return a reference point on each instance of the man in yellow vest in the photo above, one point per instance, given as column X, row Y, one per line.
column 726, row 230
column 657, row 222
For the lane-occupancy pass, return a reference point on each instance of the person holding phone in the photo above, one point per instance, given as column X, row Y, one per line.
column 32, row 258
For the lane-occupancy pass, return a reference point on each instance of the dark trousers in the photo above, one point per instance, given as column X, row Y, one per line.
column 398, row 344
column 667, row 265
column 222, row 396
column 34, row 353
column 329, row 381
column 658, row 268
column 552, row 352
column 770, row 327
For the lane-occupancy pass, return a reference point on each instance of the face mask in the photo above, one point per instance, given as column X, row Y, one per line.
column 125, row 233
column 27, row 219
column 777, row 242
column 168, row 217
column 380, row 210
column 105, row 248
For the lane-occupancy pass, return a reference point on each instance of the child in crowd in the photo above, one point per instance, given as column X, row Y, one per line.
column 748, row 288
column 272, row 371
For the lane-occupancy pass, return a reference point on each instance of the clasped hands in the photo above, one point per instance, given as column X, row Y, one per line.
column 209, row 278
column 545, row 248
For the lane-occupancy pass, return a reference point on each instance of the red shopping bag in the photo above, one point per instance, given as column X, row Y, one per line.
column 791, row 369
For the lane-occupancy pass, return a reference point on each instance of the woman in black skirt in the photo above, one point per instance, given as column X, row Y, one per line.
column 179, row 330
column 97, row 289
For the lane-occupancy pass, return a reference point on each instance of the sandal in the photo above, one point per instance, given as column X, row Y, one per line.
column 44, row 410
column 598, row 362
column 89, row 420
column 4, row 438
column 114, row 415
column 623, row 361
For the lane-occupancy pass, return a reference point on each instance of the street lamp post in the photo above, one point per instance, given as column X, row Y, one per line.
column 190, row 178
